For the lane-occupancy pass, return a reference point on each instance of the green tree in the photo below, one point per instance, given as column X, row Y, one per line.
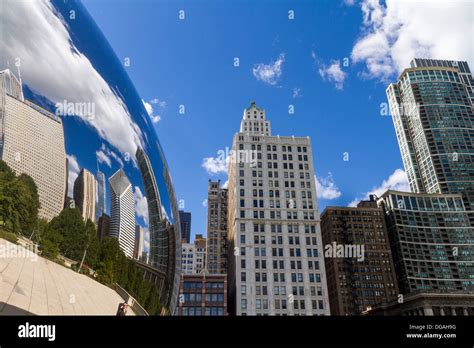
column 27, row 203
column 49, row 241
column 105, row 272
column 93, row 247
column 110, row 260
column 9, row 217
column 70, row 225
column 19, row 201
column 39, row 230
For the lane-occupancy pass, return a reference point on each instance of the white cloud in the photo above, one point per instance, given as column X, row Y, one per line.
column 349, row 2
column 333, row 73
column 397, row 181
column 141, row 205
column 216, row 165
column 269, row 73
column 148, row 107
column 103, row 158
column 204, row 203
column 296, row 92
column 160, row 103
column 116, row 157
column 149, row 110
column 155, row 118
column 326, row 187
column 73, row 170
column 226, row 183
column 401, row 30
column 66, row 74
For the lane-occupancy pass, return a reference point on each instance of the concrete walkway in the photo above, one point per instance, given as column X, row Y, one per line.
column 30, row 284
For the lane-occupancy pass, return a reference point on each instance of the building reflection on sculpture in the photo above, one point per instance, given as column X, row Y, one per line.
column 164, row 236
column 111, row 135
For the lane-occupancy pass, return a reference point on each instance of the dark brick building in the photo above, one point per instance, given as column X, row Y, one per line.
column 203, row 295
column 356, row 283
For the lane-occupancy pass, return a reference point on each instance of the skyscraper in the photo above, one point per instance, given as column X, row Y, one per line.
column 185, row 221
column 122, row 209
column 425, row 232
column 432, row 110
column 432, row 244
column 276, row 264
column 84, row 194
column 32, row 142
column 216, row 249
column 431, row 230
column 139, row 242
column 357, row 281
column 101, row 195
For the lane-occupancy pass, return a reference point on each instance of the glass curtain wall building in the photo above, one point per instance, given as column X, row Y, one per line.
column 431, row 240
column 432, row 110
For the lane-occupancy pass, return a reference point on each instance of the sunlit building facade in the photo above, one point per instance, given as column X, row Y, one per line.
column 85, row 194
column 122, row 212
column 276, row 264
column 193, row 256
column 139, row 247
column 32, row 142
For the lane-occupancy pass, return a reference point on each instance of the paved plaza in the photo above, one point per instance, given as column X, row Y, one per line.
column 32, row 285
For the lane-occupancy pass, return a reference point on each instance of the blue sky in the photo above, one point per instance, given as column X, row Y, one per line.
column 282, row 62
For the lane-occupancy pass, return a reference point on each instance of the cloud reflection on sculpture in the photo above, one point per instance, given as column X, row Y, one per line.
column 68, row 68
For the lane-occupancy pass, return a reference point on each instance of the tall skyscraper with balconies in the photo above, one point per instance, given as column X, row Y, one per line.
column 276, row 264
column 185, row 221
column 84, row 194
column 216, row 249
column 431, row 230
column 32, row 142
column 101, row 195
column 432, row 110
column 122, row 212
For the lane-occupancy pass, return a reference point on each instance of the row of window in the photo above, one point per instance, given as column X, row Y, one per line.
column 197, row 311
column 282, row 304
column 198, row 285
column 284, row 148
column 280, row 277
